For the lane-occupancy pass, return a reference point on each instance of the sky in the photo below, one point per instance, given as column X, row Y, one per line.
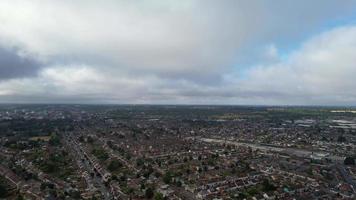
column 235, row 52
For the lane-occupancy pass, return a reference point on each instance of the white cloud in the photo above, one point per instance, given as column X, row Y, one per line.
column 161, row 37
column 179, row 51
column 321, row 71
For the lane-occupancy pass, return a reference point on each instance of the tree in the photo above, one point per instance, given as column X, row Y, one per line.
column 167, row 178
column 100, row 154
column 341, row 138
column 179, row 183
column 90, row 139
column 3, row 191
column 19, row 197
column 75, row 194
column 149, row 193
column 114, row 165
column 140, row 162
column 81, row 138
column 54, row 140
column 49, row 167
column 349, row 161
column 267, row 186
column 158, row 196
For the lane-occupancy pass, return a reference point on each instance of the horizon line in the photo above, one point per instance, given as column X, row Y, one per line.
column 182, row 104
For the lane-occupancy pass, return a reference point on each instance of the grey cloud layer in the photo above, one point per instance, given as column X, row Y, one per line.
column 13, row 65
column 171, row 51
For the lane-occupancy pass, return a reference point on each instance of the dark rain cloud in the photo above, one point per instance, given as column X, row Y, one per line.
column 12, row 65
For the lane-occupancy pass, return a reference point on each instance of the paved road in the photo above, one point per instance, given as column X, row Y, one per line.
column 96, row 180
